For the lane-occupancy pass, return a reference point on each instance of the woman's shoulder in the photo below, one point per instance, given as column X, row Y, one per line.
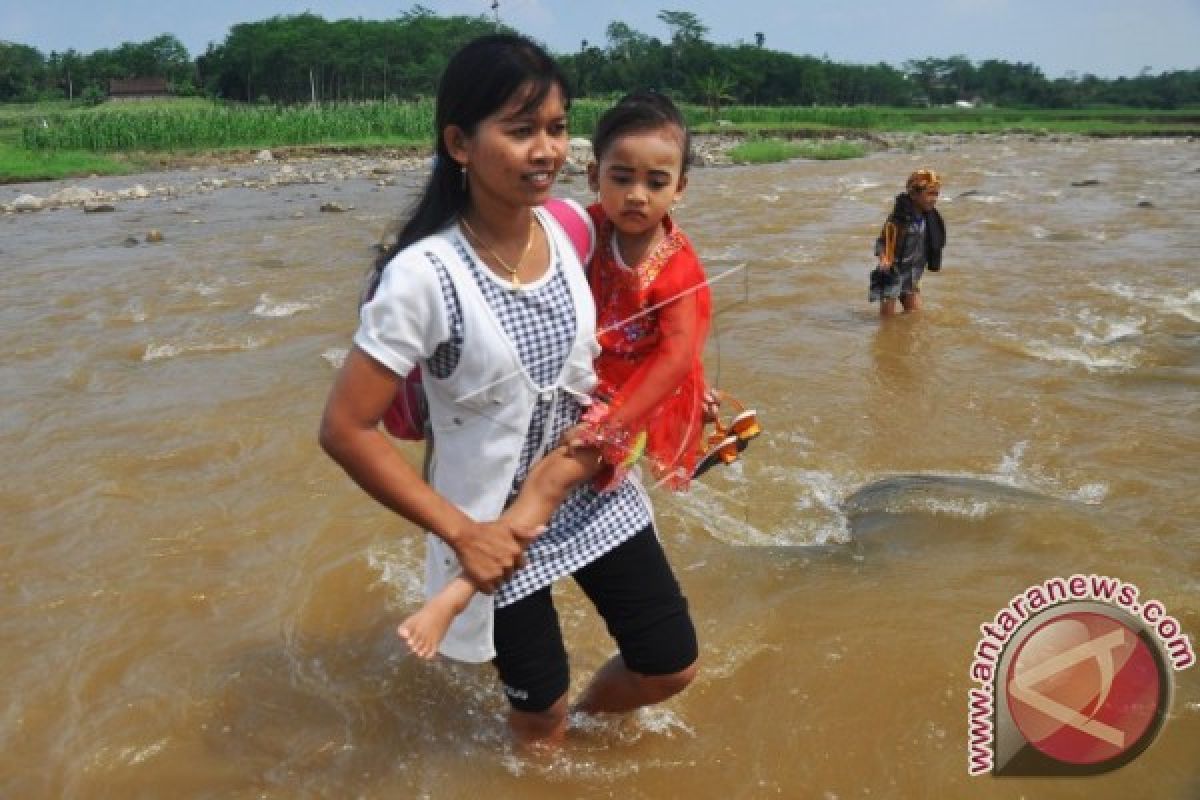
column 417, row 265
column 424, row 252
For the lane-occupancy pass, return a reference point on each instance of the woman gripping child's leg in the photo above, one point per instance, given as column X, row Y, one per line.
column 546, row 487
column 649, row 374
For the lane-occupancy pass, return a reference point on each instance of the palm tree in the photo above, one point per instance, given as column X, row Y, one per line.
column 715, row 90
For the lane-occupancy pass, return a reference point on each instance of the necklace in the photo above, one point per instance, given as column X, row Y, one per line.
column 512, row 271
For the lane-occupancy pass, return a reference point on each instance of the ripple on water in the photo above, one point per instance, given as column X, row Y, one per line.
column 270, row 308
column 158, row 352
column 1184, row 302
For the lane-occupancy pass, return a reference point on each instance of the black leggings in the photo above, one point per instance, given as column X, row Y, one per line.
column 633, row 589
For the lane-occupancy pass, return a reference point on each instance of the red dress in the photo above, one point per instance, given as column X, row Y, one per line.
column 651, row 323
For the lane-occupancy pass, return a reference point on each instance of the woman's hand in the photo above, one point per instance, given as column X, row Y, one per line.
column 490, row 552
column 350, row 433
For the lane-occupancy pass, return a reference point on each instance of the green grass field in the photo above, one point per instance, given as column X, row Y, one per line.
column 1084, row 122
column 766, row 151
column 19, row 164
column 60, row 139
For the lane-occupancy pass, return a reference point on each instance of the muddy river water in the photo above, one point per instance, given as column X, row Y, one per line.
column 195, row 602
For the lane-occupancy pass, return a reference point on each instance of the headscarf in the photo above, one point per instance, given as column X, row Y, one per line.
column 922, row 179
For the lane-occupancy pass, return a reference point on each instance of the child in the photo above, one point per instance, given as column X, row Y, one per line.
column 913, row 237
column 652, row 314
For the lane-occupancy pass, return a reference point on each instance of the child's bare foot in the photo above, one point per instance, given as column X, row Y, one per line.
column 425, row 629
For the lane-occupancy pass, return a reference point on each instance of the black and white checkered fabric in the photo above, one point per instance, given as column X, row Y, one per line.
column 445, row 357
column 541, row 322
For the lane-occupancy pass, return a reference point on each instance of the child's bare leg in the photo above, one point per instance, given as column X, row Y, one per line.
column 549, row 482
column 425, row 629
column 911, row 301
column 547, row 485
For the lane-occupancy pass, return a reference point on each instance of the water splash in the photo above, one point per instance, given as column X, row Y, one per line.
column 202, row 289
column 1099, row 330
column 1118, row 360
column 1099, row 343
column 270, row 308
column 401, row 571
column 1091, row 494
column 1184, row 304
column 820, row 520
column 858, row 185
column 588, row 735
column 157, row 352
column 335, row 356
column 1010, row 463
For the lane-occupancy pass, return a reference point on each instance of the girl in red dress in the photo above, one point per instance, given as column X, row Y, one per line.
column 652, row 301
column 652, row 315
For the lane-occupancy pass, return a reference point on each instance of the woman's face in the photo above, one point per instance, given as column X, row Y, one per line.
column 515, row 154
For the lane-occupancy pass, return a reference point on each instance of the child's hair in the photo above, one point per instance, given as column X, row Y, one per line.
column 636, row 113
column 483, row 76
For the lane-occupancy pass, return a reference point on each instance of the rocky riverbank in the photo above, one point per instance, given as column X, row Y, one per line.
column 269, row 169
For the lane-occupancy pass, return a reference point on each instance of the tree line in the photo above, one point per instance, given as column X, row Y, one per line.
column 26, row 75
column 304, row 59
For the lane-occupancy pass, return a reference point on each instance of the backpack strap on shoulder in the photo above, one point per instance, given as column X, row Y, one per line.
column 576, row 223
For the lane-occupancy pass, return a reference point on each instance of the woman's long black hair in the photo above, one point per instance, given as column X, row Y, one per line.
column 480, row 79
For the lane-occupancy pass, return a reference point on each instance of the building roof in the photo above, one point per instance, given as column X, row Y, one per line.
column 119, row 86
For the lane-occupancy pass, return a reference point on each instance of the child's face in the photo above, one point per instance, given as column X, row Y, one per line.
column 639, row 177
column 925, row 199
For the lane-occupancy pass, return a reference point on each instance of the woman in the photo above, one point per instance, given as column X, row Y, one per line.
column 485, row 293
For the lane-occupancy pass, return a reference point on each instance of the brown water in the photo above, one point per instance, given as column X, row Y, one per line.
column 197, row 603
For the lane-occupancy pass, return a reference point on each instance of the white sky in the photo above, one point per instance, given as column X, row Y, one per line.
column 1107, row 38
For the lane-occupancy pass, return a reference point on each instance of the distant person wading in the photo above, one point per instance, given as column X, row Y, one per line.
column 911, row 240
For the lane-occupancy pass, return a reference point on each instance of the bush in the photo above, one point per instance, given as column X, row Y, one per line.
column 92, row 96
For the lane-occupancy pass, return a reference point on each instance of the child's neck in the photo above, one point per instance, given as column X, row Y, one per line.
column 634, row 249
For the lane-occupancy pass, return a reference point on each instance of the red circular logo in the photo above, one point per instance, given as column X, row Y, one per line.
column 1084, row 688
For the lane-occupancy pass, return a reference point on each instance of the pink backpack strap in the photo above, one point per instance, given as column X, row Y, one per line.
column 408, row 414
column 577, row 225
